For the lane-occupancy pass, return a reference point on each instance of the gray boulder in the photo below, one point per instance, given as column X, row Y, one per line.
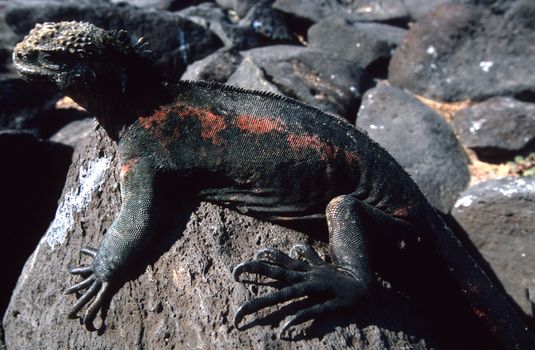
column 312, row 76
column 497, row 128
column 498, row 217
column 359, row 10
column 420, row 140
column 218, row 66
column 360, row 43
column 250, row 76
column 459, row 52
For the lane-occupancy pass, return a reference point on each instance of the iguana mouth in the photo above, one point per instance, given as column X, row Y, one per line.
column 28, row 69
column 32, row 72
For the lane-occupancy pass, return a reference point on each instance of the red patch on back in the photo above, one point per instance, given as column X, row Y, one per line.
column 479, row 312
column 402, row 212
column 158, row 117
column 258, row 125
column 325, row 150
column 211, row 124
column 351, row 157
column 127, row 167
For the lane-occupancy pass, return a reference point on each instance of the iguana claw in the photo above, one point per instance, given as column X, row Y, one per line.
column 333, row 288
column 93, row 287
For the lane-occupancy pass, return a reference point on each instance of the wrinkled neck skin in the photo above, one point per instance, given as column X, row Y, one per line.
column 119, row 95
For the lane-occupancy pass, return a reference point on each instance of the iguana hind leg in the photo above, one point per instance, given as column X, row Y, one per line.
column 338, row 285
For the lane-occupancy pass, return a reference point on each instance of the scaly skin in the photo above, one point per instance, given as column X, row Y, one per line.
column 264, row 155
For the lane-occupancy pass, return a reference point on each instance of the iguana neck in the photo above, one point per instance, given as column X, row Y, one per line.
column 117, row 107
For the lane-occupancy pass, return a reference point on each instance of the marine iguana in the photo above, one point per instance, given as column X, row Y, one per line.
column 264, row 155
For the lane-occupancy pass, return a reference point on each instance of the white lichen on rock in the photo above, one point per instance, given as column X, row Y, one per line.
column 77, row 199
column 465, row 201
column 519, row 185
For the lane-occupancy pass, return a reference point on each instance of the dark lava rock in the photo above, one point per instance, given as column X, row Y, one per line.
column 33, row 174
column 419, row 139
column 498, row 217
column 183, row 295
column 260, row 27
column 8, row 39
column 314, row 77
column 232, row 35
column 497, row 128
column 175, row 40
column 75, row 132
column 358, row 10
column 241, row 7
column 266, row 21
column 360, row 43
column 496, row 6
column 461, row 52
column 168, row 5
column 152, row 4
column 23, row 106
column 250, row 76
column 218, row 66
column 418, row 8
column 2, row 341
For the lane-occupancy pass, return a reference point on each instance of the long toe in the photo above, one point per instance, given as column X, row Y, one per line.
column 264, row 269
column 88, row 295
column 92, row 311
column 310, row 313
column 280, row 296
column 278, row 257
column 81, row 285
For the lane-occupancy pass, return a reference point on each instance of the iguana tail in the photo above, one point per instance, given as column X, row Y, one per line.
column 486, row 299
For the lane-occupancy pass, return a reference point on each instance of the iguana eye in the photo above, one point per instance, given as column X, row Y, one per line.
column 47, row 56
column 56, row 57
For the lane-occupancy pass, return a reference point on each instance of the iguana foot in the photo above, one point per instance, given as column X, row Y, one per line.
column 334, row 288
column 93, row 286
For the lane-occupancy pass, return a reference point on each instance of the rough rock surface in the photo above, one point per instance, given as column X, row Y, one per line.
column 497, row 128
column 241, row 7
column 361, row 43
column 420, row 140
column 498, row 217
column 218, row 66
column 231, row 34
column 312, row 76
column 461, row 52
column 20, row 100
column 262, row 26
column 250, row 76
column 184, row 299
column 75, row 132
column 32, row 176
column 152, row 4
column 359, row 10
column 418, row 8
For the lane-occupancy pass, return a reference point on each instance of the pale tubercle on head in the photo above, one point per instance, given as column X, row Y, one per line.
column 81, row 38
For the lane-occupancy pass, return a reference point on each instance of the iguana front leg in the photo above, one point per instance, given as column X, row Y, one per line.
column 122, row 243
column 338, row 285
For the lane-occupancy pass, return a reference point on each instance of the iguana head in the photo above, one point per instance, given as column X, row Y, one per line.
column 67, row 53
column 99, row 69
